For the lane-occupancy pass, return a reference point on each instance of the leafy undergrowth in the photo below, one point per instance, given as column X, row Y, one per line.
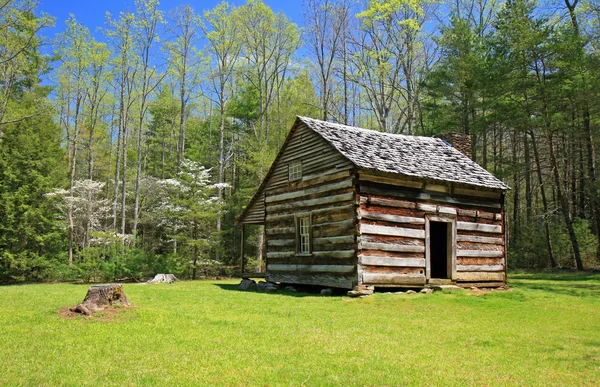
column 543, row 332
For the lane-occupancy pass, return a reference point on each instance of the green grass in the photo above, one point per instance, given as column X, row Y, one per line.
column 545, row 332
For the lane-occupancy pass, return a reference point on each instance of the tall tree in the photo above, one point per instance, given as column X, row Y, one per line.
column 74, row 44
column 223, row 49
column 149, row 18
column 184, row 63
column 31, row 158
column 121, row 32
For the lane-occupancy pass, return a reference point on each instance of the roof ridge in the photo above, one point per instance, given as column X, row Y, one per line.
column 350, row 127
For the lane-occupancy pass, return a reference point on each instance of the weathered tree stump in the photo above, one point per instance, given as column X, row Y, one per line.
column 99, row 297
column 168, row 278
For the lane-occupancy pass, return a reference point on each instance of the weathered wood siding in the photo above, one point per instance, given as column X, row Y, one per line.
column 392, row 214
column 255, row 213
column 326, row 191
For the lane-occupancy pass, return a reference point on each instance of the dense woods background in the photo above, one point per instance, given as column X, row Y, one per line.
column 133, row 154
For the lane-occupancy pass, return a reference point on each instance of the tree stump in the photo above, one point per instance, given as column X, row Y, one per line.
column 99, row 297
column 168, row 278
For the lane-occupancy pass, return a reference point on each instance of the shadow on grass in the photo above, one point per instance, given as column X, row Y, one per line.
column 584, row 284
column 568, row 276
column 302, row 291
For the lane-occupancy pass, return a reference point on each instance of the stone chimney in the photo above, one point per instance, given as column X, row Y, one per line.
column 460, row 141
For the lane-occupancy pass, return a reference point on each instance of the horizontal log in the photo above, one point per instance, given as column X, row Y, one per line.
column 312, row 202
column 390, row 261
column 281, row 230
column 279, row 217
column 469, row 213
column 426, row 207
column 281, row 242
column 333, row 209
column 333, row 240
column 390, row 181
column 343, row 227
column 324, row 177
column 485, row 215
column 390, row 217
column 306, row 181
column 392, row 203
column 480, row 253
column 470, row 226
column 476, row 261
column 477, row 193
column 313, row 268
column 446, row 210
column 479, row 239
column 281, row 254
column 466, row 276
column 429, row 197
column 391, row 247
column 310, row 191
column 392, row 231
column 479, row 268
column 317, row 254
column 334, row 254
column 393, row 279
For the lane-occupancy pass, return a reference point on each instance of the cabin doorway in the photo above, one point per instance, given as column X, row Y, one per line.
column 440, row 252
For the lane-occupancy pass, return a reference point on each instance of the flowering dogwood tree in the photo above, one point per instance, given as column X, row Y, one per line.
column 89, row 209
column 187, row 207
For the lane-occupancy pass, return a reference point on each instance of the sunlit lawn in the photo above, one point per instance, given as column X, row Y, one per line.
column 544, row 332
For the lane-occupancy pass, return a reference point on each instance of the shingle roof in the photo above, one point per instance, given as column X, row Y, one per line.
column 415, row 156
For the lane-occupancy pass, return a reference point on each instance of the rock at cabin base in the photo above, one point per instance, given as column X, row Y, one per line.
column 411, row 292
column 446, row 287
column 327, row 292
column 267, row 287
column 426, row 291
column 247, row 284
column 361, row 290
column 290, row 288
column 99, row 297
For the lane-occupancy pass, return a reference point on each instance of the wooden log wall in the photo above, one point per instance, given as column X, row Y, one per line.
column 326, row 192
column 392, row 213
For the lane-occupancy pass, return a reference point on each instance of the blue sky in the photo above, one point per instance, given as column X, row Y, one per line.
column 92, row 13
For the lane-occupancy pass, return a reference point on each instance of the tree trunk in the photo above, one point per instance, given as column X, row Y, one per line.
column 516, row 188
column 528, row 191
column 564, row 204
column 544, row 200
column 181, row 144
column 72, row 179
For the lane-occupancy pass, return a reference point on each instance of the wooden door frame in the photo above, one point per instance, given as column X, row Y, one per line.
column 451, row 240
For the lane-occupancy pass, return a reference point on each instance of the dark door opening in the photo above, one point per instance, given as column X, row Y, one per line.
column 438, row 242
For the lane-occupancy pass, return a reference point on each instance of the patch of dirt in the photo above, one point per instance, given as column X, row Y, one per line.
column 110, row 313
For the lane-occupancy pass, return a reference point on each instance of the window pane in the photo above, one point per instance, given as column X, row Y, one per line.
column 295, row 170
column 304, row 235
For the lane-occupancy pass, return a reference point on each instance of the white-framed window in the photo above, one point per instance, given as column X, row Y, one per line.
column 303, row 234
column 295, row 170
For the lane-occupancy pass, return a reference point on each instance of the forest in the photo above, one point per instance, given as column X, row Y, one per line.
column 132, row 154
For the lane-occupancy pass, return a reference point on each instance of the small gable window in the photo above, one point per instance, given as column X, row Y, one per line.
column 295, row 170
column 303, row 234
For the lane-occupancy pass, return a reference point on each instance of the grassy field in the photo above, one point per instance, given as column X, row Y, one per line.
column 544, row 332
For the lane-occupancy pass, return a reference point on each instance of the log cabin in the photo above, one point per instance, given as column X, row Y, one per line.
column 344, row 206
